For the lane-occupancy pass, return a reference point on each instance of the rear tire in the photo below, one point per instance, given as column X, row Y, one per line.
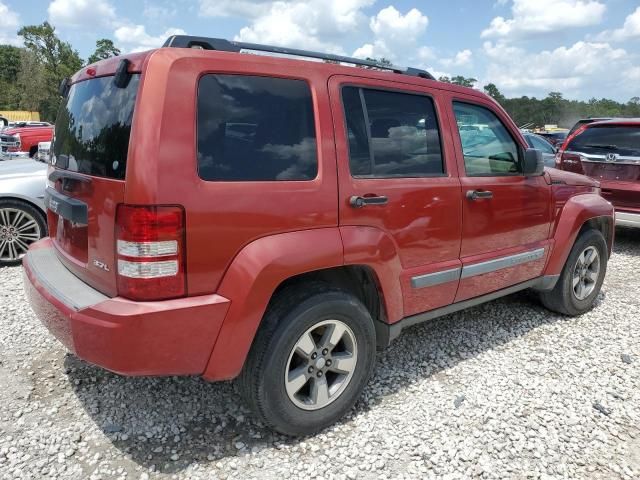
column 310, row 360
column 21, row 224
column 581, row 278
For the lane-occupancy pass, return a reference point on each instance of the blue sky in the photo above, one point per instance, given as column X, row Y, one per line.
column 583, row 48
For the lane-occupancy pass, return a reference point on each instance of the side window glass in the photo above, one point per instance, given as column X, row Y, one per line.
column 391, row 134
column 255, row 129
column 488, row 148
column 542, row 145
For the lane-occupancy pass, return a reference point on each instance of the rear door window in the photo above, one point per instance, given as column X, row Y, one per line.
column 93, row 127
column 614, row 139
column 391, row 134
column 254, row 128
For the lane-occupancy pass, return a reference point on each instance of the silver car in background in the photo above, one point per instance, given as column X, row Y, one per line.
column 540, row 143
column 22, row 211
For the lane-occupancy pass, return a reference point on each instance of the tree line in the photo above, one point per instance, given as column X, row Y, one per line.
column 30, row 77
column 553, row 109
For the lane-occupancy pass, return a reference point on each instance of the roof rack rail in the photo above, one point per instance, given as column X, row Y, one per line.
column 205, row 43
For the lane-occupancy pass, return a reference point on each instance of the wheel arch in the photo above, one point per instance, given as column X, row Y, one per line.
column 582, row 212
column 270, row 264
column 28, row 200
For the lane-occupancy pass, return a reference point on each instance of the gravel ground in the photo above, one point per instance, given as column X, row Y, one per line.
column 504, row 390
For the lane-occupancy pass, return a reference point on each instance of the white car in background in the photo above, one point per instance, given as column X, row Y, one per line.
column 23, row 218
column 44, row 151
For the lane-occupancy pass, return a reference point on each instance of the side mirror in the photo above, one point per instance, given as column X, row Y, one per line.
column 533, row 163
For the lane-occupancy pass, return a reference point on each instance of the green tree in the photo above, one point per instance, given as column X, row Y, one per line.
column 30, row 86
column 492, row 90
column 58, row 60
column 459, row 80
column 464, row 81
column 104, row 49
column 9, row 68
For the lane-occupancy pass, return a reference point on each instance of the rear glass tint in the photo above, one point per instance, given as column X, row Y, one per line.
column 623, row 140
column 255, row 129
column 93, row 127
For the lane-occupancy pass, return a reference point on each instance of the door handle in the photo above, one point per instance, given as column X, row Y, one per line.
column 479, row 194
column 358, row 202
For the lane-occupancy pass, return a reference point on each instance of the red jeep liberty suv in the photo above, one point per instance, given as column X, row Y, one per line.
column 224, row 214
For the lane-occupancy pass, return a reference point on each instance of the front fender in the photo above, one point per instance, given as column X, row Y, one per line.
column 576, row 212
column 250, row 281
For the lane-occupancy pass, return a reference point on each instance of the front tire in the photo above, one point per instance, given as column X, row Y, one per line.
column 310, row 360
column 581, row 278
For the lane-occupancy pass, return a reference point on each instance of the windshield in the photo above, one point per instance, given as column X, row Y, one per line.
column 600, row 140
column 93, row 128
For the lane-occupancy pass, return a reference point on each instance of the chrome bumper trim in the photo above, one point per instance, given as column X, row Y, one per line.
column 626, row 219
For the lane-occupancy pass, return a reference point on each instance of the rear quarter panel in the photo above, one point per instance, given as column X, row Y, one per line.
column 221, row 217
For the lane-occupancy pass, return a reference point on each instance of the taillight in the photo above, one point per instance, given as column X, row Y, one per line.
column 150, row 249
column 571, row 162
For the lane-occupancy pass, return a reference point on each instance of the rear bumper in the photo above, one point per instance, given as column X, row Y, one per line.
column 173, row 337
column 628, row 219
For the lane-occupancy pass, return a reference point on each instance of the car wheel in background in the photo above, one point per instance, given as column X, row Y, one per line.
column 21, row 224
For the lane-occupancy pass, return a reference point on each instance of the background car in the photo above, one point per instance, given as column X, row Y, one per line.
column 610, row 153
column 44, row 150
column 22, row 211
column 22, row 140
column 542, row 144
column 555, row 138
column 586, row 121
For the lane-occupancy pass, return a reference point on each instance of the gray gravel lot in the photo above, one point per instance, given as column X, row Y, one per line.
column 505, row 390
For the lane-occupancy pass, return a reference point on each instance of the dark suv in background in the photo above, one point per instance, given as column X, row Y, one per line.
column 609, row 151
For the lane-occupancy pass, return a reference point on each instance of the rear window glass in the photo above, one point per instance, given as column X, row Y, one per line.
column 623, row 140
column 391, row 134
column 93, row 127
column 255, row 129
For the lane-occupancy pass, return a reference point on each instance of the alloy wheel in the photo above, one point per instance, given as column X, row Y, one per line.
column 321, row 365
column 18, row 230
column 585, row 273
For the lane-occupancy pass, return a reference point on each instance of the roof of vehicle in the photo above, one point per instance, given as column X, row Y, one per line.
column 292, row 58
column 615, row 121
column 26, row 129
column 22, row 168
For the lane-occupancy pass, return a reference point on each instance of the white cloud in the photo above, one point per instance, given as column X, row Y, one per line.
column 393, row 27
column 630, row 29
column 462, row 59
column 81, row 13
column 157, row 11
column 571, row 70
column 230, row 8
column 396, row 34
column 312, row 24
column 531, row 17
column 134, row 38
column 9, row 24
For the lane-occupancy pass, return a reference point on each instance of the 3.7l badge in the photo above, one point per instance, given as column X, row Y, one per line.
column 101, row 265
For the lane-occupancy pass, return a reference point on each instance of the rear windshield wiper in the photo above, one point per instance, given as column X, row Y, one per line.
column 603, row 146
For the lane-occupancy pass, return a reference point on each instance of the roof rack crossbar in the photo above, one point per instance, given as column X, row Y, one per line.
column 187, row 41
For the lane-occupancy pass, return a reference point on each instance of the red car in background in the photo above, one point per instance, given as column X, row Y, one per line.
column 22, row 140
column 608, row 151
